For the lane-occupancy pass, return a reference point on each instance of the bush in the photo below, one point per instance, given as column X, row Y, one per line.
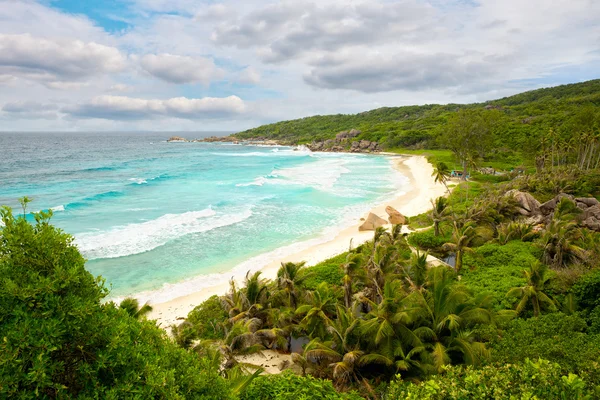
column 206, row 319
column 288, row 386
column 497, row 268
column 587, row 290
column 329, row 271
column 539, row 379
column 556, row 337
column 60, row 341
column 427, row 240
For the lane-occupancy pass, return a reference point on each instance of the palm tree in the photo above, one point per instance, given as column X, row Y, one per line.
column 463, row 235
column 559, row 244
column 514, row 231
column 441, row 174
column 444, row 313
column 352, row 268
column 439, row 213
column 317, row 314
column 533, row 289
column 289, row 277
column 416, row 272
column 132, row 306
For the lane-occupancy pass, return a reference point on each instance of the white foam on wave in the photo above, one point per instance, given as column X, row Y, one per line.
column 139, row 181
column 58, row 208
column 138, row 238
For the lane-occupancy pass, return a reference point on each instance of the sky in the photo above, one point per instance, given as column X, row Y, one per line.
column 178, row 65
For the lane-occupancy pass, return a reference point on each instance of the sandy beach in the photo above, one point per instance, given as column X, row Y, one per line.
column 415, row 200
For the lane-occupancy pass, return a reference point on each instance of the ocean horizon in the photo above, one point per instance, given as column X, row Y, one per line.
column 173, row 217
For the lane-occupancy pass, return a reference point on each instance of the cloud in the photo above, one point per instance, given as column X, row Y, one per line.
column 406, row 71
column 30, row 110
column 287, row 30
column 56, row 61
column 214, row 11
column 128, row 108
column 181, row 69
column 249, row 76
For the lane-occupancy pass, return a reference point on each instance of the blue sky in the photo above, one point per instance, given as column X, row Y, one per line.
column 184, row 64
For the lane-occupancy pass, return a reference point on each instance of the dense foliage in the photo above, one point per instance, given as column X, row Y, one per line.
column 60, row 341
column 507, row 129
column 539, row 379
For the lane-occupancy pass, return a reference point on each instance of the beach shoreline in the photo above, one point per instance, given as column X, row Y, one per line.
column 413, row 201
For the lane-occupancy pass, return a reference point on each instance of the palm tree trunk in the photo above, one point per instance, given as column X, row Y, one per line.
column 458, row 261
column 436, row 228
column 536, row 306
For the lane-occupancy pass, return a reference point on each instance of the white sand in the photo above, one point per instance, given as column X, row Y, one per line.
column 416, row 200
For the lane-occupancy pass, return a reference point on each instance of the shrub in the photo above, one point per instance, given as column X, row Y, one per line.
column 497, row 268
column 326, row 271
column 539, row 379
column 60, row 341
column 288, row 386
column 206, row 319
column 556, row 337
column 427, row 240
column 587, row 290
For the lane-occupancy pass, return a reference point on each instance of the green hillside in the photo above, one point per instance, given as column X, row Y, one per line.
column 522, row 119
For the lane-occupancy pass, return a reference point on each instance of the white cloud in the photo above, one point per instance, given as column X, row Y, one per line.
column 128, row 108
column 54, row 62
column 181, row 69
column 249, row 76
column 30, row 110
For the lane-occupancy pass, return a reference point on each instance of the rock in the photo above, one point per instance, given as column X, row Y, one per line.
column 176, row 139
column 549, row 206
column 528, row 205
column 329, row 143
column 347, row 134
column 592, row 223
column 364, row 144
column 372, row 222
column 592, row 212
column 395, row 217
column 588, row 201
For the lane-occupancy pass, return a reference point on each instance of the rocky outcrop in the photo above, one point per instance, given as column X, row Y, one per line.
column 527, row 204
column 177, row 139
column 372, row 222
column 548, row 207
column 394, row 216
column 343, row 143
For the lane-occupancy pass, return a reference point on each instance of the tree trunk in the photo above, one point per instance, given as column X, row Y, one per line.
column 436, row 228
column 458, row 261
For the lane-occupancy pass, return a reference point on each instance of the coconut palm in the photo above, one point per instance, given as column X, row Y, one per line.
column 444, row 314
column 441, row 174
column 559, row 244
column 352, row 268
column 463, row 235
column 416, row 272
column 514, row 231
column 439, row 213
column 532, row 292
column 318, row 312
column 289, row 277
column 132, row 306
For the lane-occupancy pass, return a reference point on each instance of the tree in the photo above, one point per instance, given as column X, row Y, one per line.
column 559, row 244
column 463, row 236
column 469, row 135
column 132, row 306
column 59, row 340
column 318, row 312
column 441, row 174
column 289, row 277
column 439, row 213
column 532, row 292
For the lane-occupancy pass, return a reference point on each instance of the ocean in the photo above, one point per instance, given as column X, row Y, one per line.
column 171, row 217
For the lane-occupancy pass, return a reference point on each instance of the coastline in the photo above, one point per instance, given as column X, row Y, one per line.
column 415, row 200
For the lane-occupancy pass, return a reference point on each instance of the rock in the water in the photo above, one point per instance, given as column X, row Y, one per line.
column 395, row 217
column 372, row 222
column 176, row 139
column 528, row 205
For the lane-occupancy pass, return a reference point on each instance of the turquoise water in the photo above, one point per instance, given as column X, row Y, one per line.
column 153, row 215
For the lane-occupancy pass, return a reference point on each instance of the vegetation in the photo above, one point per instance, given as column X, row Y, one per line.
column 515, row 314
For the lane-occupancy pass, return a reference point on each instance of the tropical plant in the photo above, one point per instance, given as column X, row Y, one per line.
column 533, row 291
column 132, row 307
column 463, row 235
column 439, row 213
column 317, row 313
column 559, row 244
column 441, row 174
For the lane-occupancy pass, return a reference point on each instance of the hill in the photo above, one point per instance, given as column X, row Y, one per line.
column 523, row 119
